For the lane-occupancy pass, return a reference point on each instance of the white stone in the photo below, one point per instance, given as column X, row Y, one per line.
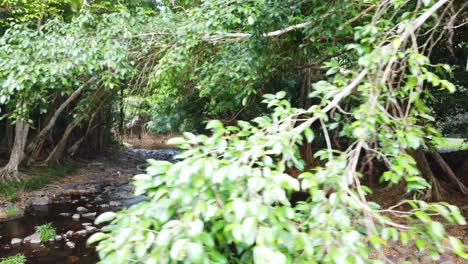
column 81, row 210
column 89, row 215
column 115, row 203
column 76, row 217
column 33, row 239
column 16, row 241
column 39, row 201
column 70, row 244
column 90, row 228
column 81, row 233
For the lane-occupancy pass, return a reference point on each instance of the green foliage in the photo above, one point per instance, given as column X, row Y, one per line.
column 37, row 178
column 85, row 51
column 228, row 198
column 31, row 12
column 17, row 259
column 47, row 231
column 227, row 202
column 13, row 210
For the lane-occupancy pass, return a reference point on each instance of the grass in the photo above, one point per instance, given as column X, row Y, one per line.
column 36, row 178
column 12, row 210
column 47, row 231
column 452, row 144
column 17, row 259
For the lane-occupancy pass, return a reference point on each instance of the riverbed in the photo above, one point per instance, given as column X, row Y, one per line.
column 70, row 245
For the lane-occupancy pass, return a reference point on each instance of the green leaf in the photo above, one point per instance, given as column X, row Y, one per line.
column 105, row 217
column 96, row 237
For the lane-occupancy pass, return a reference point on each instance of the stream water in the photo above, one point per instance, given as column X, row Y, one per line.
column 110, row 198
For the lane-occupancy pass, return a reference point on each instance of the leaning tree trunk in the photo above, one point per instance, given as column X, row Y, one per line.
column 57, row 152
column 10, row 171
column 36, row 145
column 423, row 165
column 72, row 150
column 449, row 172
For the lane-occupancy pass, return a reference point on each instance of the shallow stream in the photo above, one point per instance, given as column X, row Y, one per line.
column 109, row 198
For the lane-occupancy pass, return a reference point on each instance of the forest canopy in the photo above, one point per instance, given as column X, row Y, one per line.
column 323, row 98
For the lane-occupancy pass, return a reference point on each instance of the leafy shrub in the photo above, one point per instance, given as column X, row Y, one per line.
column 46, row 231
column 18, row 259
column 227, row 202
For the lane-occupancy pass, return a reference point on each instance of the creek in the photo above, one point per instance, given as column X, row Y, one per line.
column 59, row 213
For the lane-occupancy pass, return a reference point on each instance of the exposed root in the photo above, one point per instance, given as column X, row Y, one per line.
column 9, row 173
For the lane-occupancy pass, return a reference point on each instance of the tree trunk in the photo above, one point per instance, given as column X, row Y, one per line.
column 10, row 171
column 423, row 165
column 9, row 134
column 122, row 113
column 35, row 147
column 57, row 152
column 448, row 171
column 304, row 102
column 72, row 150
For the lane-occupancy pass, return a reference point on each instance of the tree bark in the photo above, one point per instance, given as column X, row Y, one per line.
column 35, row 147
column 72, row 150
column 10, row 171
column 304, row 102
column 57, row 152
column 449, row 172
column 423, row 165
column 122, row 113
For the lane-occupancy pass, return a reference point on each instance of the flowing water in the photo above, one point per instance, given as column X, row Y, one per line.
column 119, row 196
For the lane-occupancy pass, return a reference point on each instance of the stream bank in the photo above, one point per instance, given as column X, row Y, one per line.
column 70, row 206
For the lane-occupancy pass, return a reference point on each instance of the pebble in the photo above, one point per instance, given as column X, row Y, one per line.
column 104, row 205
column 76, row 217
column 81, row 210
column 69, row 233
column 39, row 201
column 81, row 233
column 58, row 237
column 65, row 214
column 16, row 241
column 86, row 224
column 115, row 203
column 90, row 228
column 89, row 215
column 70, row 244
